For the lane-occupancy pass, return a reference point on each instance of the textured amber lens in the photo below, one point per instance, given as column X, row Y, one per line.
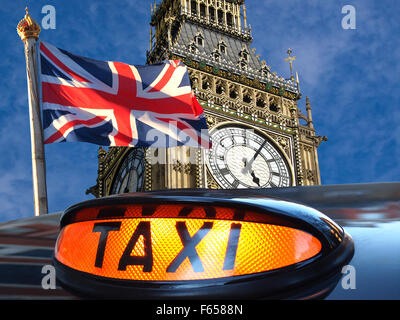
column 169, row 249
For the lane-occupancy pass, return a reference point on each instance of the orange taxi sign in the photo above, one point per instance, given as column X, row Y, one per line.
column 177, row 242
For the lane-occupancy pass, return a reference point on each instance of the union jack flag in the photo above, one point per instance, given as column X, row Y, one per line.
column 116, row 104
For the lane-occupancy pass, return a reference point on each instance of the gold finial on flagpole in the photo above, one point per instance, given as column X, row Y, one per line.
column 290, row 59
column 27, row 27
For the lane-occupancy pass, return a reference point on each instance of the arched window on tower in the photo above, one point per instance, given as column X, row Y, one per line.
column 273, row 104
column 260, row 101
column 222, row 47
column 199, row 39
column 220, row 88
column 211, row 14
column 244, row 54
column 233, row 92
column 187, row 5
column 202, row 10
column 193, row 5
column 220, row 17
column 206, row 83
column 192, row 47
column 243, row 58
column 247, row 97
column 242, row 64
column 229, row 19
column 265, row 70
column 216, row 55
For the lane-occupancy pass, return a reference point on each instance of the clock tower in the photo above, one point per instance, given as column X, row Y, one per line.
column 260, row 136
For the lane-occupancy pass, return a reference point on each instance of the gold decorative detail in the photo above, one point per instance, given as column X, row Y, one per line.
column 211, row 121
column 148, row 175
column 283, row 143
column 290, row 59
column 108, row 183
column 188, row 168
column 101, row 154
column 177, row 166
column 307, row 148
column 185, row 168
column 94, row 190
column 319, row 139
column 310, row 175
column 28, row 28
column 242, row 79
column 211, row 183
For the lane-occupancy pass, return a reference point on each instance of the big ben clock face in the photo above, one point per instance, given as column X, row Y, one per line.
column 242, row 158
column 130, row 175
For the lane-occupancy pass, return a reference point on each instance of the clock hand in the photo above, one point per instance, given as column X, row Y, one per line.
column 255, row 179
column 259, row 150
column 253, row 175
column 249, row 164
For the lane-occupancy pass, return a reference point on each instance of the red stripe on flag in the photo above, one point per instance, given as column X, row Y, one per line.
column 64, row 128
column 197, row 109
column 162, row 83
column 95, row 99
column 60, row 64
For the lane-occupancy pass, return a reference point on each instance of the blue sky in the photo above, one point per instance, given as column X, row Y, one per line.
column 351, row 76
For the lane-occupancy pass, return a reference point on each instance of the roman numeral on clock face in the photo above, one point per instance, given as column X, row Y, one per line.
column 273, row 185
column 235, row 183
column 224, row 171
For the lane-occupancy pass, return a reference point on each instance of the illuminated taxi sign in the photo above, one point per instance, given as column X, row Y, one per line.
column 164, row 247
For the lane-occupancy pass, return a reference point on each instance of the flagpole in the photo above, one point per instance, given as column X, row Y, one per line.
column 29, row 31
